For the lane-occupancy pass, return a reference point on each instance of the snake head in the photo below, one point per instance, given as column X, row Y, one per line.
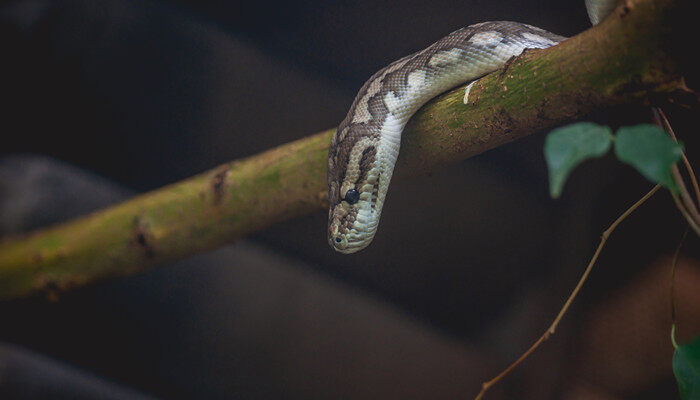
column 350, row 226
column 353, row 188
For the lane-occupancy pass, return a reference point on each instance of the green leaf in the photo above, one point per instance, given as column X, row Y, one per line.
column 651, row 151
column 568, row 146
column 686, row 368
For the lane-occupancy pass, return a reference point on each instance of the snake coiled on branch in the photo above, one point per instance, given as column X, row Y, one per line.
column 366, row 144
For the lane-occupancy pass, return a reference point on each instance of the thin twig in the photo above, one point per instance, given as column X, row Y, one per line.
column 673, row 279
column 687, row 207
column 687, row 216
column 693, row 178
column 685, row 195
column 667, row 126
column 550, row 331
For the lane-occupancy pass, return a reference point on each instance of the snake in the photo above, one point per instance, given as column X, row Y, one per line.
column 365, row 146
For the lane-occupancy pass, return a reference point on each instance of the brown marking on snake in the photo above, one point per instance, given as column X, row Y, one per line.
column 375, row 191
column 366, row 162
column 360, row 108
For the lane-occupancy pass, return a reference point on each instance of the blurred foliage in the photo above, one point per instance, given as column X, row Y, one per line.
column 569, row 146
column 645, row 147
column 686, row 368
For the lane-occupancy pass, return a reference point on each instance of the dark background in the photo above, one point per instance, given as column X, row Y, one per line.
column 104, row 99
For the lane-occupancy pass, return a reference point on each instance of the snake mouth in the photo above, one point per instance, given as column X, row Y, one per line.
column 352, row 240
column 351, row 228
column 346, row 247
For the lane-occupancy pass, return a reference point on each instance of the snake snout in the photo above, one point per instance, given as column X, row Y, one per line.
column 336, row 239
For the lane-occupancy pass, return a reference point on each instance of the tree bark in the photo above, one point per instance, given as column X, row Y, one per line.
column 629, row 58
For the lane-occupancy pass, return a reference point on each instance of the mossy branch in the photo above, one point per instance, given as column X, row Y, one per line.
column 625, row 59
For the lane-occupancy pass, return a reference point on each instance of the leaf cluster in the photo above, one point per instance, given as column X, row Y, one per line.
column 652, row 153
column 645, row 147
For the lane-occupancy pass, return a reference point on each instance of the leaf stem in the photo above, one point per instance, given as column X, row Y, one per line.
column 673, row 336
column 550, row 331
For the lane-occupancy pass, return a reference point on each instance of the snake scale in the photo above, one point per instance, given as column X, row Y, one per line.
column 365, row 146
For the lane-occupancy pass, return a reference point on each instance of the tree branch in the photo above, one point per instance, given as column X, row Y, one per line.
column 625, row 59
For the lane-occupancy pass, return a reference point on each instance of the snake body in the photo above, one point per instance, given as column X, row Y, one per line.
column 365, row 146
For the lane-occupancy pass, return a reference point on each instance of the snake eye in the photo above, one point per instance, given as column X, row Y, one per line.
column 352, row 196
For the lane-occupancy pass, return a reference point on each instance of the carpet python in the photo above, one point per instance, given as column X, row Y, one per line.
column 365, row 146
